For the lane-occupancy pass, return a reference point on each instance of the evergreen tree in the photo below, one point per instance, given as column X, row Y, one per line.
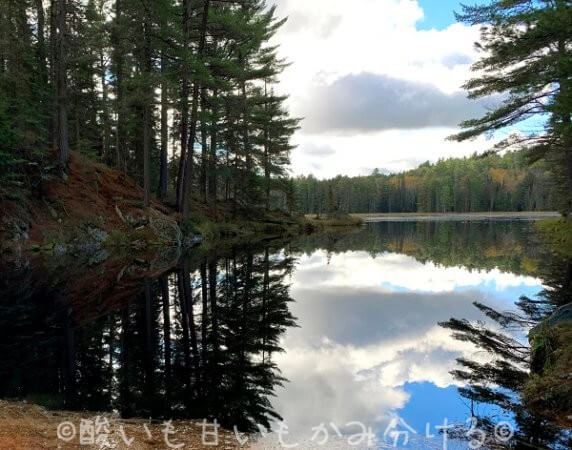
column 528, row 58
column 121, row 80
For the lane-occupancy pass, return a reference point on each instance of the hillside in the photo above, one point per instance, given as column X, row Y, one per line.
column 97, row 207
column 93, row 203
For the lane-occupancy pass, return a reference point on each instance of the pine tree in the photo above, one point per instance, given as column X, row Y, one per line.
column 121, row 80
column 528, row 57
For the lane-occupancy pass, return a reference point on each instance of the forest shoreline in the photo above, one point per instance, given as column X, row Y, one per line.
column 97, row 210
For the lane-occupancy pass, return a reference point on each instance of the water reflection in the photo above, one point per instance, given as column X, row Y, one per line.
column 216, row 335
column 505, row 380
column 198, row 341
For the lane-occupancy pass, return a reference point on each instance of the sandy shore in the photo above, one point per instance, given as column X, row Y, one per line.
column 24, row 427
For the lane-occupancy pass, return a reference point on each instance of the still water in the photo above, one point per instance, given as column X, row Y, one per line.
column 323, row 335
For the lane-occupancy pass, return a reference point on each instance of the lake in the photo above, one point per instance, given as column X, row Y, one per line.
column 317, row 337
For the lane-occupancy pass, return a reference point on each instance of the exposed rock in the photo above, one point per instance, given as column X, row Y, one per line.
column 167, row 231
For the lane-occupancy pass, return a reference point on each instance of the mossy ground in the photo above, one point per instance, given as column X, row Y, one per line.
column 549, row 389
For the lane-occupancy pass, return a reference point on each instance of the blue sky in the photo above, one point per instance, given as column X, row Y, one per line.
column 438, row 13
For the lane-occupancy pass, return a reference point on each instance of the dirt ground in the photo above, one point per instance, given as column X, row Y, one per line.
column 29, row 427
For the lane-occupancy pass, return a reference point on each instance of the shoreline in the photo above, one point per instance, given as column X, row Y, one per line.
column 456, row 217
column 26, row 425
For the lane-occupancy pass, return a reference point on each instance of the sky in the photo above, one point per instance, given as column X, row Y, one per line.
column 378, row 83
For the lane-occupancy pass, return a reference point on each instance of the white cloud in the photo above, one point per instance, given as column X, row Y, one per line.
column 327, row 40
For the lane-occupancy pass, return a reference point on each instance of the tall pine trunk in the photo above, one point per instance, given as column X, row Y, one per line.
column 106, row 136
column 565, row 95
column 185, row 89
column 266, row 151
column 204, row 147
column 148, row 107
column 53, row 73
column 62, row 87
column 213, row 154
column 42, row 57
column 185, row 202
column 163, row 171
column 121, row 151
column 248, row 188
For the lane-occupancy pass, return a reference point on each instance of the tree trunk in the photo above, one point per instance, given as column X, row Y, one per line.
column 148, row 108
column 185, row 88
column 121, row 151
column 568, row 150
column 163, row 174
column 245, row 137
column 212, row 154
column 204, row 149
column 266, row 151
column 42, row 55
column 566, row 95
column 53, row 74
column 185, row 201
column 106, row 138
column 62, row 88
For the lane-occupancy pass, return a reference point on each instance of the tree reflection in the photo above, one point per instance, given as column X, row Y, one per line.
column 502, row 380
column 504, row 245
column 197, row 342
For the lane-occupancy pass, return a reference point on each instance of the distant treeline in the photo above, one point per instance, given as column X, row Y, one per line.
column 477, row 183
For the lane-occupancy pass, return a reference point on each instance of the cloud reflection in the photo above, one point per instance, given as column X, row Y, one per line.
column 368, row 327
